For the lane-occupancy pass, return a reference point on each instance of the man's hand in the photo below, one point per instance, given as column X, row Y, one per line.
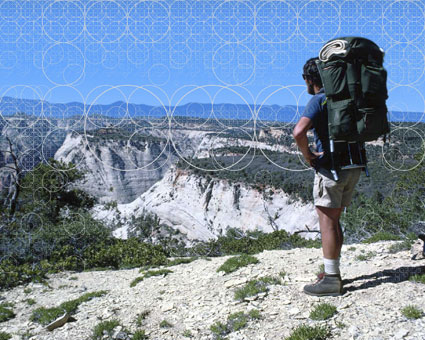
column 300, row 135
column 311, row 156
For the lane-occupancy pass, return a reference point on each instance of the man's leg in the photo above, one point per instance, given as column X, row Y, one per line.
column 331, row 231
column 330, row 282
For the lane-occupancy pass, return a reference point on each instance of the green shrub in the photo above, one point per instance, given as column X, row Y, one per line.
column 5, row 336
column 254, row 314
column 234, row 263
column 412, row 312
column 237, row 242
column 365, row 257
column 417, row 278
column 401, row 246
column 180, row 261
column 322, row 311
column 254, row 287
column 187, row 333
column 158, row 272
column 165, row 324
column 12, row 274
column 128, row 253
column 139, row 335
column 235, row 322
column 305, row 332
column 30, row 302
column 382, row 236
column 5, row 312
column 136, row 281
column 44, row 315
column 150, row 273
column 108, row 326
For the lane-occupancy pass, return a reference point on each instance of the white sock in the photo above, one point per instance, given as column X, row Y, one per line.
column 331, row 266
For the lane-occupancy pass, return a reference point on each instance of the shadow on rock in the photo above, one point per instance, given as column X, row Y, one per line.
column 385, row 276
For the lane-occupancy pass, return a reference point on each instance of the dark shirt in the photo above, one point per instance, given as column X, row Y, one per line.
column 317, row 112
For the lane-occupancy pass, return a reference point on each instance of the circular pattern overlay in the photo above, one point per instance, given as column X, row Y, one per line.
column 63, row 64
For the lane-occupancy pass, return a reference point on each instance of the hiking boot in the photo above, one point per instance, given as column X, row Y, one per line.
column 328, row 285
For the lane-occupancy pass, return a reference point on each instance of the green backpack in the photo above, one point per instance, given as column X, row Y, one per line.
column 354, row 82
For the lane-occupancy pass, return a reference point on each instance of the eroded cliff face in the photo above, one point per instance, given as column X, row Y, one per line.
column 116, row 170
column 204, row 207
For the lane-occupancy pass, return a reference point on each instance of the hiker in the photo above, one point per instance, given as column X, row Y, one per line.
column 330, row 196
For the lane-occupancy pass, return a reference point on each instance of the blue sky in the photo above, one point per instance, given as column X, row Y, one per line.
column 174, row 52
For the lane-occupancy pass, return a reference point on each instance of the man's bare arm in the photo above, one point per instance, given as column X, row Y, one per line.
column 300, row 135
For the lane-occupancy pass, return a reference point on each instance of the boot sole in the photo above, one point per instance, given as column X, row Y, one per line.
column 323, row 294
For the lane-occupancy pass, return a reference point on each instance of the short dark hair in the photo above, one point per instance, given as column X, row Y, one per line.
column 310, row 70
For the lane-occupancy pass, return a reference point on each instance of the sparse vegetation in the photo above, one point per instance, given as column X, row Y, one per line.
column 322, row 311
column 417, row 278
column 104, row 327
column 5, row 336
column 305, row 332
column 178, row 261
column 235, row 322
column 150, row 273
column 406, row 244
column 234, row 263
column 165, row 324
column 6, row 313
column 30, row 302
column 382, row 236
column 187, row 333
column 44, row 315
column 140, row 334
column 364, row 257
column 412, row 312
column 141, row 316
column 340, row 324
column 256, row 286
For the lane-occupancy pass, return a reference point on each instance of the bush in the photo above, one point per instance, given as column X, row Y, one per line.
column 128, row 253
column 45, row 316
column 235, row 322
column 365, row 257
column 165, row 324
column 5, row 312
column 234, row 263
column 254, row 287
column 382, row 236
column 417, row 278
column 5, row 336
column 104, row 326
column 412, row 312
column 323, row 311
column 139, row 335
column 305, row 332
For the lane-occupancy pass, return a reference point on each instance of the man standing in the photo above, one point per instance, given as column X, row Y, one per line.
column 330, row 196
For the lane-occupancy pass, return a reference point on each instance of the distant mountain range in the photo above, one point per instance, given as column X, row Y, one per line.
column 10, row 106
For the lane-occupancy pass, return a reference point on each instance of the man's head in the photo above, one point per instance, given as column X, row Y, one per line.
column 311, row 75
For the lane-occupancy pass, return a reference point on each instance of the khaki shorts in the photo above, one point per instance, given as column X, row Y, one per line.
column 331, row 194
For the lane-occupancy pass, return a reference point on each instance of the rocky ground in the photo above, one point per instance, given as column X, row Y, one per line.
column 194, row 296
